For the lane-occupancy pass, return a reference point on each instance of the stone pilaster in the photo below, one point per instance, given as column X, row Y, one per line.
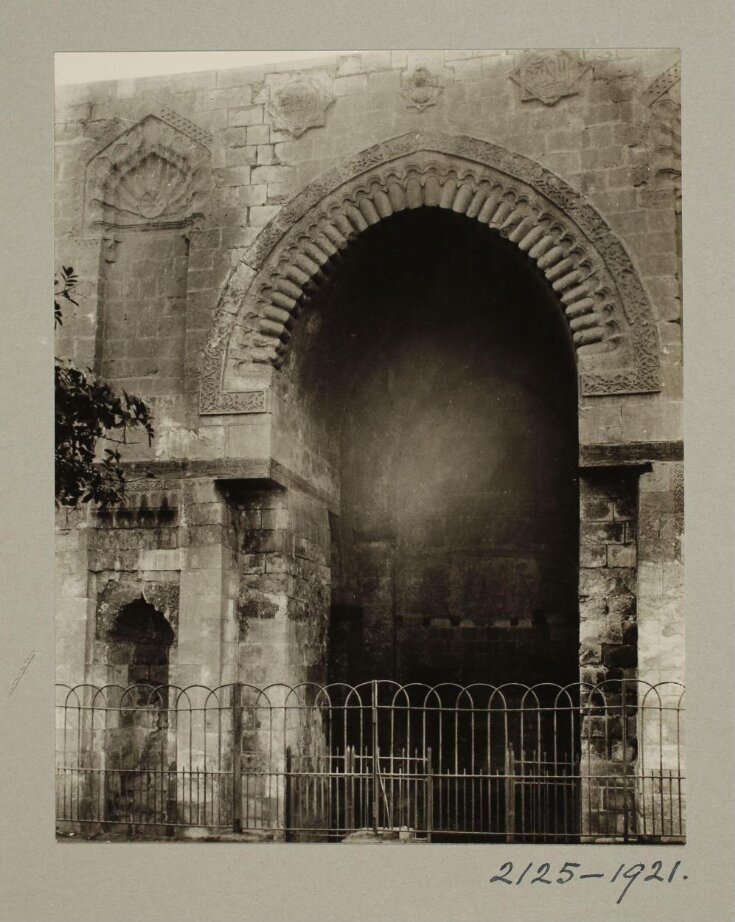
column 661, row 758
column 72, row 605
column 281, row 539
column 607, row 575
column 204, row 581
column 608, row 649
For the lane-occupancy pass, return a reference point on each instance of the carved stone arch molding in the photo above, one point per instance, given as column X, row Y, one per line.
column 152, row 175
column 599, row 289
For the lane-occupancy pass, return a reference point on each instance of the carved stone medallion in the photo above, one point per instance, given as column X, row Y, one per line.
column 422, row 89
column 547, row 76
column 301, row 104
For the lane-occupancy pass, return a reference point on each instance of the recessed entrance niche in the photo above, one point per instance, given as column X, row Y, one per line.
column 437, row 370
column 140, row 638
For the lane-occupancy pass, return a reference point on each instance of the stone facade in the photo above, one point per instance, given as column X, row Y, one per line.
column 217, row 222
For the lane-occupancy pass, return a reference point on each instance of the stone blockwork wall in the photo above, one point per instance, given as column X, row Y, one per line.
column 632, row 632
column 169, row 190
column 205, row 215
column 142, row 328
column 607, row 581
column 661, row 573
column 164, row 546
column 280, row 584
column 261, row 150
column 105, row 562
column 661, row 660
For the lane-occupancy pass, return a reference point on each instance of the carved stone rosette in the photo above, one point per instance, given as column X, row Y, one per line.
column 548, row 76
column 422, row 89
column 593, row 276
column 300, row 104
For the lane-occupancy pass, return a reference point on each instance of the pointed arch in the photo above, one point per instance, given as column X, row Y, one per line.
column 595, row 281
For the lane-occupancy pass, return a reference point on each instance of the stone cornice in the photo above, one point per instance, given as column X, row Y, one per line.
column 629, row 453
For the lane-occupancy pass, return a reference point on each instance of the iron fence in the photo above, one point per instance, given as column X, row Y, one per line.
column 511, row 763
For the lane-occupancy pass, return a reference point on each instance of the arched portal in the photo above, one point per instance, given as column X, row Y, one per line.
column 275, row 296
column 602, row 297
column 436, row 374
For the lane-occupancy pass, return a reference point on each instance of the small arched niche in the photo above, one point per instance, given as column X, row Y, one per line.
column 144, row 191
column 140, row 639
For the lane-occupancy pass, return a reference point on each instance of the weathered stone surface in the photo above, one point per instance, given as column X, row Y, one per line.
column 206, row 289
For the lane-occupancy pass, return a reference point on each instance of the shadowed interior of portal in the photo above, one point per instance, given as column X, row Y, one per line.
column 441, row 363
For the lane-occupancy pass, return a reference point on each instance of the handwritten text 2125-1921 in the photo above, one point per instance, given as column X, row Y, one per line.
column 571, row 871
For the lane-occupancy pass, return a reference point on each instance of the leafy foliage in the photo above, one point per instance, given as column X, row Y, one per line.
column 88, row 410
column 64, row 284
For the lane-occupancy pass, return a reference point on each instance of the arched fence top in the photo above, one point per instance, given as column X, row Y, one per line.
column 383, row 693
column 666, row 695
column 201, row 756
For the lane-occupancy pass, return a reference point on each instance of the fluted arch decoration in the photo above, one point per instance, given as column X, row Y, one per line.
column 152, row 175
column 597, row 285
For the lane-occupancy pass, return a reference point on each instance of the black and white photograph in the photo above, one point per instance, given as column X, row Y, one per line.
column 370, row 485
column 369, row 462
